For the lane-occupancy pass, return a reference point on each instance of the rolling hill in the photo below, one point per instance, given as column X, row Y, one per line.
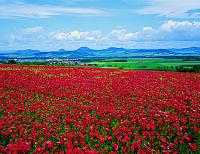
column 85, row 52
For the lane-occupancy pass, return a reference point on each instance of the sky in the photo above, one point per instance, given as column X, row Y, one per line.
column 69, row 24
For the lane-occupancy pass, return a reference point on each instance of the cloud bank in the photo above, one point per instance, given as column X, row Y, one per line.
column 23, row 10
column 172, row 8
column 75, row 36
column 169, row 34
column 168, row 31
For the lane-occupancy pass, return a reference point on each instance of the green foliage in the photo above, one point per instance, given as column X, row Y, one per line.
column 188, row 68
column 35, row 63
column 158, row 64
column 11, row 61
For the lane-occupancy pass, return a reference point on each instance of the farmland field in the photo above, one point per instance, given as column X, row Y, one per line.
column 94, row 110
column 167, row 64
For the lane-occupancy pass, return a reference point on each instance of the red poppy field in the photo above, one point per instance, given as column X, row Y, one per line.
column 47, row 109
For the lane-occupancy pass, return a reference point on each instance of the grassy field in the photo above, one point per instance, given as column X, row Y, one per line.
column 146, row 63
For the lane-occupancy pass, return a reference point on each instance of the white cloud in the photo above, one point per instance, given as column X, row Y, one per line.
column 168, row 31
column 179, row 30
column 118, row 32
column 58, row 36
column 32, row 29
column 38, row 11
column 28, row 34
column 169, row 34
column 172, row 8
column 183, row 25
column 75, row 36
column 122, row 35
column 146, row 34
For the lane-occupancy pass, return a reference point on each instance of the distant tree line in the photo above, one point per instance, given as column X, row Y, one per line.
column 189, row 68
column 181, row 68
column 11, row 61
column 119, row 60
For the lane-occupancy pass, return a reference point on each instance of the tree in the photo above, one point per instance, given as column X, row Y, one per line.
column 12, row 61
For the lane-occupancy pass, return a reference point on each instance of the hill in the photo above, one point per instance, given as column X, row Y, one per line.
column 85, row 52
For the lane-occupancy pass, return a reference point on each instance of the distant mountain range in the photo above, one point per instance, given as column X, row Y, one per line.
column 85, row 52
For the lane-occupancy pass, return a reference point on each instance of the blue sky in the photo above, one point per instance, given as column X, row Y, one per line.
column 70, row 24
